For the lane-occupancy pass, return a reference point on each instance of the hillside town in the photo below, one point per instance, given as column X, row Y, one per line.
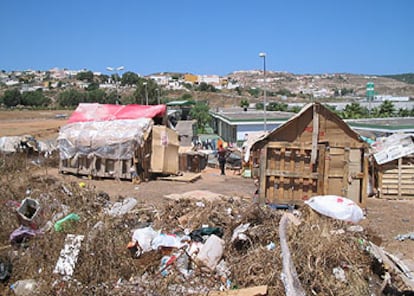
column 321, row 86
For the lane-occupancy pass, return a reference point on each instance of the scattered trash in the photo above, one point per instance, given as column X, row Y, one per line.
column 59, row 225
column 122, row 207
column 271, row 246
column 5, row 269
column 211, row 252
column 24, row 287
column 166, row 241
column 29, row 213
column 336, row 207
column 22, row 234
column 339, row 274
column 199, row 235
column 402, row 237
column 281, row 206
column 65, row 265
column 66, row 191
column 200, row 204
column 355, row 228
column 141, row 241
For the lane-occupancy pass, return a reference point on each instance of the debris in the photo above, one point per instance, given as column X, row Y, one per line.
column 59, row 225
column 29, row 213
column 123, row 207
column 289, row 275
column 336, row 207
column 339, row 274
column 402, row 237
column 199, row 235
column 65, row 265
column 22, row 234
column 24, row 287
column 5, row 269
column 211, row 252
column 141, row 240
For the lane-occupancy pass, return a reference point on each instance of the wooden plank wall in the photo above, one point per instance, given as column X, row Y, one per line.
column 289, row 174
column 396, row 179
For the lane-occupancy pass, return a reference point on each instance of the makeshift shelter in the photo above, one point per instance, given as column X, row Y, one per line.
column 313, row 153
column 394, row 166
column 118, row 141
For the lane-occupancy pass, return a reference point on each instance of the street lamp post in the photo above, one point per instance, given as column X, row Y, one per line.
column 116, row 70
column 263, row 55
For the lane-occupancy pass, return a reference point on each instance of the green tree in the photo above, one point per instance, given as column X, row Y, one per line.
column 35, row 98
column 92, row 86
column 146, row 88
column 12, row 97
column 402, row 112
column 200, row 113
column 274, row 106
column 70, row 98
column 295, row 109
column 386, row 109
column 206, row 87
column 354, row 110
column 244, row 103
column 98, row 96
column 129, row 78
column 85, row 76
column 255, row 92
column 238, row 90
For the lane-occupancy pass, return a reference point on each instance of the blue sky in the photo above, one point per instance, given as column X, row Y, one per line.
column 209, row 37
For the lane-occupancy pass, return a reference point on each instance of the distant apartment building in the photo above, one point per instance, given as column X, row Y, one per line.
column 209, row 79
column 56, row 73
column 190, row 78
column 160, row 79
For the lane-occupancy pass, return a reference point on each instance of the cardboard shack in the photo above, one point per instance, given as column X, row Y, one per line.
column 313, row 153
column 394, row 166
column 118, row 141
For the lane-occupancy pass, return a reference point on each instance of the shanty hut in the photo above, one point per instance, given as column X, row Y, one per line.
column 394, row 166
column 313, row 153
column 118, row 141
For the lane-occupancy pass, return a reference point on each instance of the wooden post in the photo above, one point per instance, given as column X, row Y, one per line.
column 263, row 177
column 315, row 133
column 399, row 177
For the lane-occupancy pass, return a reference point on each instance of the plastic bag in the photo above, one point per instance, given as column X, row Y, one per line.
column 336, row 207
column 144, row 237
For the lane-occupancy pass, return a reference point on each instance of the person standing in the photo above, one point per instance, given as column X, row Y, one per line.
column 222, row 155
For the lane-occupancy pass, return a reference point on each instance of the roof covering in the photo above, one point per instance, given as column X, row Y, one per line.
column 108, row 112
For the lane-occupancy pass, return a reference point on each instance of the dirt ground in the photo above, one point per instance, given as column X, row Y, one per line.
column 384, row 218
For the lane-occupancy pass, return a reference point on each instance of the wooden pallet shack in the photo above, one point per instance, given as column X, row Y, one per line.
column 393, row 167
column 313, row 153
column 122, row 142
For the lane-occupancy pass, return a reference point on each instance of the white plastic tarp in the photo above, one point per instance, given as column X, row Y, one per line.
column 117, row 139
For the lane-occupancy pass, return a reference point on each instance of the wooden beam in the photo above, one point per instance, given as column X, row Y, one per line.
column 263, row 177
column 315, row 133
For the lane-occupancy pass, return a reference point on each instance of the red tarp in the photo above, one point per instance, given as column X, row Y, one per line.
column 106, row 112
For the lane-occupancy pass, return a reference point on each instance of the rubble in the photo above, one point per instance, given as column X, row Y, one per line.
column 247, row 242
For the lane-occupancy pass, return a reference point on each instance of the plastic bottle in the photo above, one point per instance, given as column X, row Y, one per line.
column 71, row 217
column 24, row 287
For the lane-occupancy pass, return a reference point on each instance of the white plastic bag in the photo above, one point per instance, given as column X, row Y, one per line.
column 144, row 237
column 336, row 207
column 211, row 252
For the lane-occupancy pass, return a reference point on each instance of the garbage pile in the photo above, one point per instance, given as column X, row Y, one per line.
column 70, row 239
